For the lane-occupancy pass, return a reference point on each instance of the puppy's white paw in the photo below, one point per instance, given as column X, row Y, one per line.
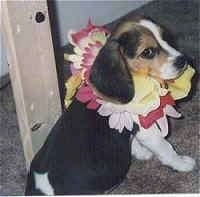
column 183, row 163
column 142, row 154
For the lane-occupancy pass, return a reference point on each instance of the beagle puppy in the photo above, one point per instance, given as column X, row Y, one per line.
column 82, row 154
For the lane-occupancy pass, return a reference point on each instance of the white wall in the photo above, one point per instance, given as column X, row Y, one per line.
column 75, row 14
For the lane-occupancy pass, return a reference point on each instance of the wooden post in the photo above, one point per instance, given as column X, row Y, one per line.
column 32, row 70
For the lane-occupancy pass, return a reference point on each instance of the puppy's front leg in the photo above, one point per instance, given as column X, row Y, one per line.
column 153, row 140
column 139, row 151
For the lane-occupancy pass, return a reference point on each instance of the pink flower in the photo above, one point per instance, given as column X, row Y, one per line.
column 85, row 35
column 90, row 54
column 87, row 43
column 86, row 95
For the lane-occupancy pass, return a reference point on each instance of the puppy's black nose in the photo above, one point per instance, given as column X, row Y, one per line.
column 181, row 61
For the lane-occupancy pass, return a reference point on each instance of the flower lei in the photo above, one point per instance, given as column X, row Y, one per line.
column 151, row 104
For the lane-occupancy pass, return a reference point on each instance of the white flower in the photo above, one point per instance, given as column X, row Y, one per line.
column 119, row 117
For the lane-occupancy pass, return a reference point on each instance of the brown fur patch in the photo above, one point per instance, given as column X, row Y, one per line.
column 147, row 40
column 153, row 65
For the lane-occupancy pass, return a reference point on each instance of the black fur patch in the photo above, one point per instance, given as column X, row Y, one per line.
column 169, row 38
column 82, row 155
column 110, row 74
column 130, row 41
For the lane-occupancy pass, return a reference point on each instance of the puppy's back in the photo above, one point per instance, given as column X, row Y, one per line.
column 82, row 155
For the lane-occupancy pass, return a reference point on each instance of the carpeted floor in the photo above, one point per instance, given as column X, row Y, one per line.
column 182, row 19
column 12, row 162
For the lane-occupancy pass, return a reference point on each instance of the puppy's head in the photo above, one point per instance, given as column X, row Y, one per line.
column 133, row 46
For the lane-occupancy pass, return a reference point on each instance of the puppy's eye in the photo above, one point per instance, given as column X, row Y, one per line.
column 149, row 53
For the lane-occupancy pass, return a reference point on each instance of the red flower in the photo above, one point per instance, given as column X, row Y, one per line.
column 86, row 95
column 153, row 116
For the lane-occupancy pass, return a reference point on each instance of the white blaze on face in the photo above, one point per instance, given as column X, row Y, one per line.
column 168, row 71
column 155, row 30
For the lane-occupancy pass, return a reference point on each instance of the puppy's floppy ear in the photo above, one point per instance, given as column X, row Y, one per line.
column 110, row 74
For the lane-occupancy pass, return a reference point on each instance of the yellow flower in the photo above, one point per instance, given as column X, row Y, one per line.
column 72, row 84
column 147, row 94
column 182, row 85
column 148, row 91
